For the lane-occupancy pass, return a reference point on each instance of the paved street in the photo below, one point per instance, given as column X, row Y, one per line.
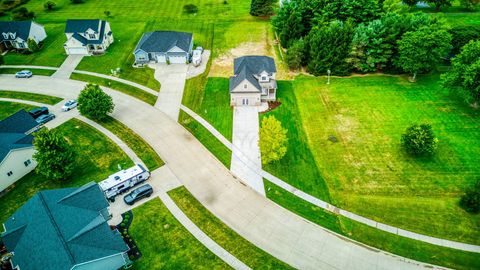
column 172, row 79
column 245, row 151
column 279, row 232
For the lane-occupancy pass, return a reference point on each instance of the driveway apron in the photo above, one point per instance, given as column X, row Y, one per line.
column 172, row 79
column 246, row 152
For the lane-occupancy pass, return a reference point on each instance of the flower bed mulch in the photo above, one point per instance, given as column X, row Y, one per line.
column 127, row 219
column 272, row 105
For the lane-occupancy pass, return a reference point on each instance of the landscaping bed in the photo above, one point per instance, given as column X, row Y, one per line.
column 133, row 252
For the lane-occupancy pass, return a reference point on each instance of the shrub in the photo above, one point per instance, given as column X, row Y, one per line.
column 190, row 9
column 107, row 13
column 49, row 5
column 261, row 7
column 419, row 140
column 22, row 14
column 32, row 45
column 470, row 201
column 296, row 54
column 77, row 1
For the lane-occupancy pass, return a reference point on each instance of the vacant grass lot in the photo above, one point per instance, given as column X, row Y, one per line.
column 367, row 171
column 395, row 244
column 124, row 88
column 30, row 96
column 9, row 108
column 224, row 25
column 143, row 150
column 165, row 243
column 97, row 158
column 239, row 247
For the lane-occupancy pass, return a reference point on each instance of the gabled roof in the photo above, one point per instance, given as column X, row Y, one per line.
column 81, row 26
column 19, row 122
column 21, row 28
column 58, row 229
column 246, row 67
column 12, row 141
column 163, row 41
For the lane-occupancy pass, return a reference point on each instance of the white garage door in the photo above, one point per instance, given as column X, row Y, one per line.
column 80, row 50
column 161, row 58
column 174, row 59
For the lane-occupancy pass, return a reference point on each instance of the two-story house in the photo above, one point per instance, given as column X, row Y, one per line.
column 64, row 229
column 15, row 35
column 253, row 81
column 87, row 37
column 16, row 147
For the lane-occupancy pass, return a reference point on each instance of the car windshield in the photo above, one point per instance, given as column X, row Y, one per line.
column 70, row 102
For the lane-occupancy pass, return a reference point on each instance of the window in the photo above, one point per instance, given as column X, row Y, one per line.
column 9, row 173
column 264, row 78
column 92, row 36
column 245, row 86
column 5, row 35
column 12, row 35
column 21, row 45
column 28, row 162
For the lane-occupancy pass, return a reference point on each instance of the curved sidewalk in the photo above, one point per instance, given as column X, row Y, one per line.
column 276, row 230
column 324, row 205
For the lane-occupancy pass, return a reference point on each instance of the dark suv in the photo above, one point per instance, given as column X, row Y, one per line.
column 37, row 112
column 137, row 194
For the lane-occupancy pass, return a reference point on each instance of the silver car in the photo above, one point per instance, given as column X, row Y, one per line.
column 69, row 105
column 24, row 74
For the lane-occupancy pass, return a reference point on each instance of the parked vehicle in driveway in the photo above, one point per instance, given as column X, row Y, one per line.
column 45, row 118
column 137, row 194
column 37, row 112
column 69, row 105
column 24, row 74
column 122, row 181
column 197, row 58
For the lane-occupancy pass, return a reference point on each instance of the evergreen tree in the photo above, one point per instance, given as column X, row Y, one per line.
column 261, row 7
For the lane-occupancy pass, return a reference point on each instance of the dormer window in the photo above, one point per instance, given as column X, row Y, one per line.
column 12, row 35
column 92, row 36
column 264, row 78
column 5, row 35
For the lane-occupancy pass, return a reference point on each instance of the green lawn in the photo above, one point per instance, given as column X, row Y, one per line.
column 165, row 243
column 42, row 72
column 227, row 25
column 239, row 247
column 97, row 158
column 124, row 88
column 210, row 98
column 9, row 108
column 30, row 96
column 143, row 150
column 367, row 171
column 405, row 247
column 207, row 139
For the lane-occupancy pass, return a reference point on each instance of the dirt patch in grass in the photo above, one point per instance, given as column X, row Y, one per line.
column 222, row 66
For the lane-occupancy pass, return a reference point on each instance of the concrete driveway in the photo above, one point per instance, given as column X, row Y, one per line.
column 68, row 66
column 172, row 79
column 246, row 151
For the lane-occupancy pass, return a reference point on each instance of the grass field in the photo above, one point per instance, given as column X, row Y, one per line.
column 405, row 247
column 224, row 25
column 143, row 150
column 239, row 247
column 9, row 108
column 30, row 96
column 97, row 158
column 165, row 243
column 220, row 151
column 124, row 88
column 366, row 171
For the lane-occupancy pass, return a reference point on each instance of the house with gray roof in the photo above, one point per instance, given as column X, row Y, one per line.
column 164, row 47
column 16, row 147
column 15, row 35
column 64, row 229
column 253, row 81
column 87, row 37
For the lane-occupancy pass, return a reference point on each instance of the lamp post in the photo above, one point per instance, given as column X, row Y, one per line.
column 328, row 76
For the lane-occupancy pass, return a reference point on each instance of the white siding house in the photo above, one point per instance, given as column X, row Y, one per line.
column 15, row 35
column 15, row 165
column 87, row 37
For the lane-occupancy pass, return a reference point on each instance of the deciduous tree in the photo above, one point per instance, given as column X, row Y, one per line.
column 55, row 158
column 273, row 140
column 470, row 201
column 49, row 5
column 419, row 140
column 420, row 51
column 410, row 3
column 440, row 3
column 470, row 5
column 32, row 45
column 94, row 103
column 464, row 74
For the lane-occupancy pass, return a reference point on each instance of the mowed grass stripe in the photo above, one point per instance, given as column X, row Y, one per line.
column 30, row 96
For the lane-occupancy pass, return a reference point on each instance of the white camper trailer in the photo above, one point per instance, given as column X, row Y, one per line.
column 122, row 181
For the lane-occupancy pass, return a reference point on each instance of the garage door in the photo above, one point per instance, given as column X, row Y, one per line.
column 80, row 50
column 161, row 58
column 174, row 59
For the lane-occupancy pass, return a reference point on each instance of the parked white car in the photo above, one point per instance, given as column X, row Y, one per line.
column 24, row 74
column 197, row 57
column 69, row 105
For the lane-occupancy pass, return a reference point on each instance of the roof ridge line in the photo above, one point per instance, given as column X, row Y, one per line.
column 55, row 226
